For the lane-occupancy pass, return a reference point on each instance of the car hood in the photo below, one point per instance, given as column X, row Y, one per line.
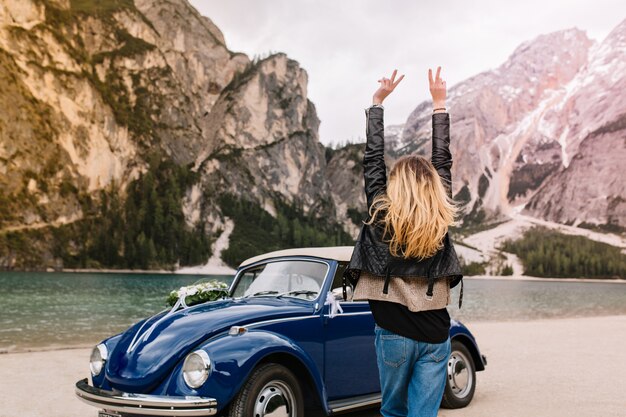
column 149, row 350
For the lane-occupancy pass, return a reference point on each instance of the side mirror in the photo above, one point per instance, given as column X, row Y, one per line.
column 338, row 293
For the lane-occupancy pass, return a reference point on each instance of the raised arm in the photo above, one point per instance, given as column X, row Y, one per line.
column 374, row 170
column 441, row 156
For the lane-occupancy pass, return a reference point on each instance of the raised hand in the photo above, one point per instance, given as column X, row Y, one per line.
column 387, row 85
column 437, row 90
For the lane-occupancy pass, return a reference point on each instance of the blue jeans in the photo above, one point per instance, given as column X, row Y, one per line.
column 412, row 374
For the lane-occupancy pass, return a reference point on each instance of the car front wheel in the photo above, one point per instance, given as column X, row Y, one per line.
column 271, row 391
column 461, row 377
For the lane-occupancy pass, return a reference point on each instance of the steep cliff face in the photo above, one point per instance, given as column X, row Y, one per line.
column 344, row 174
column 102, row 86
column 98, row 95
column 589, row 123
column 264, row 136
column 591, row 190
column 199, row 67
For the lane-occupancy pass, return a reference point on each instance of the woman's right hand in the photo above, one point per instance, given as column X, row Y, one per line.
column 386, row 87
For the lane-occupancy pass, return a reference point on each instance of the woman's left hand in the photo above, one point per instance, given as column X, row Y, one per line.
column 386, row 87
column 437, row 89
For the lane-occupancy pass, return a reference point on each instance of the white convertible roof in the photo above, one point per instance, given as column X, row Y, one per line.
column 337, row 253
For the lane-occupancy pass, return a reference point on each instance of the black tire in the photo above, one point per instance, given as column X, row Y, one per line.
column 269, row 386
column 461, row 377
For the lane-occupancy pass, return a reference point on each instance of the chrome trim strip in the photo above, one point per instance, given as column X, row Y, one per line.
column 360, row 313
column 273, row 321
column 154, row 405
column 338, row 406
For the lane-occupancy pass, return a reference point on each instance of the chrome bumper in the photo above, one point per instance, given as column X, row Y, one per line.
column 151, row 405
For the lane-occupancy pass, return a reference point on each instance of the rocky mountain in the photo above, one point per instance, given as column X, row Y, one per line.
column 589, row 122
column 125, row 118
column 543, row 133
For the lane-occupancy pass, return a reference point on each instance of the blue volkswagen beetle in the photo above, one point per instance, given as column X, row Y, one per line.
column 283, row 342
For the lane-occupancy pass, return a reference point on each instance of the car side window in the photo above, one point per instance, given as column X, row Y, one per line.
column 337, row 279
column 337, row 285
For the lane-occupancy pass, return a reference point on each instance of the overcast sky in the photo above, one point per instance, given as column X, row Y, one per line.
column 346, row 45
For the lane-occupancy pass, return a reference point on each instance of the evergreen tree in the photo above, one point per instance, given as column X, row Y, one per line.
column 549, row 253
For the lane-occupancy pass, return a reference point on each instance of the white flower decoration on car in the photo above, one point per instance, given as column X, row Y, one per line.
column 335, row 307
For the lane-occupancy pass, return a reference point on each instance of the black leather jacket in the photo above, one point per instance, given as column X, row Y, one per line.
column 370, row 252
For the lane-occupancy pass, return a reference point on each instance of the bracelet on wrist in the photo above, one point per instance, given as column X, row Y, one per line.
column 439, row 108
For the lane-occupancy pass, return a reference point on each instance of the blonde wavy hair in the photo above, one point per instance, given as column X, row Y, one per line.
column 415, row 210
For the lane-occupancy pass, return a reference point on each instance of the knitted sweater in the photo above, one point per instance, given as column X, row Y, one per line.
column 408, row 291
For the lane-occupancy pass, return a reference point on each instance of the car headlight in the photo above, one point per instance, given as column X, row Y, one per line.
column 99, row 356
column 196, row 368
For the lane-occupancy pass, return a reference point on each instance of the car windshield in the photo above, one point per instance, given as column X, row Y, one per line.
column 302, row 279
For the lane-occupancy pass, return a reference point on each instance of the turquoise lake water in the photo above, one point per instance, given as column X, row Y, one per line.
column 40, row 310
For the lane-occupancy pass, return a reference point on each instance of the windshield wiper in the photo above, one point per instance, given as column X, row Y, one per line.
column 261, row 293
column 299, row 292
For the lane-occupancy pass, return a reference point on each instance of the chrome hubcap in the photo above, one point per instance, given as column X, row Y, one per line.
column 460, row 377
column 275, row 400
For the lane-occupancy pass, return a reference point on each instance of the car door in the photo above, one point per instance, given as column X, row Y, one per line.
column 350, row 368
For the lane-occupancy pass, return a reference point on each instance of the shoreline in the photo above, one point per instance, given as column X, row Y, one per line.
column 117, row 271
column 221, row 272
column 529, row 278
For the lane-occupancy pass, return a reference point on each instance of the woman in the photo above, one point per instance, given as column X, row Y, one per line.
column 404, row 262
